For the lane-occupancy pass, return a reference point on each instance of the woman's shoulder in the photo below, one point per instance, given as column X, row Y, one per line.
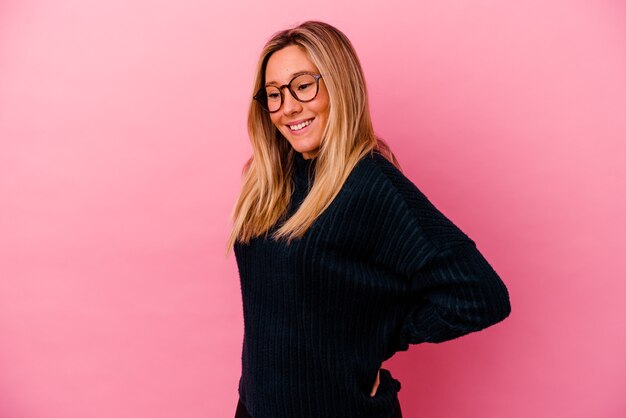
column 388, row 187
column 379, row 182
column 381, row 172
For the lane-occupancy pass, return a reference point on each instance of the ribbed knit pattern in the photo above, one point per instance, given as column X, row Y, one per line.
column 380, row 269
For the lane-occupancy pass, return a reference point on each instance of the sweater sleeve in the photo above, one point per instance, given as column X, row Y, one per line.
column 459, row 293
column 451, row 288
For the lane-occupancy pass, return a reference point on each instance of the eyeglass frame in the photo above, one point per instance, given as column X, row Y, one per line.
column 262, row 94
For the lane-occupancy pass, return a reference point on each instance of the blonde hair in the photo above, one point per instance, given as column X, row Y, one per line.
column 347, row 137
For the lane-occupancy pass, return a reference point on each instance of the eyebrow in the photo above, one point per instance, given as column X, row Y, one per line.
column 274, row 83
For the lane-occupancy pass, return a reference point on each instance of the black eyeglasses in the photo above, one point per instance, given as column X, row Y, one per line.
column 303, row 87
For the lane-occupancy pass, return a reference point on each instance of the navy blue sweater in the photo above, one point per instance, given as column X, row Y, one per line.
column 380, row 269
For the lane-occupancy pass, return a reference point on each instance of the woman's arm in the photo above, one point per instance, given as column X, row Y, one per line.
column 456, row 292
column 451, row 288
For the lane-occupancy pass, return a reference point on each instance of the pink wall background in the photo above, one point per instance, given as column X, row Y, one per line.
column 122, row 136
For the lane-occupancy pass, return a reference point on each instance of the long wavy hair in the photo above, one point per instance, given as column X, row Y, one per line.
column 348, row 136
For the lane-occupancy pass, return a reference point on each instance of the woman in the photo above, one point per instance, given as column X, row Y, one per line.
column 342, row 260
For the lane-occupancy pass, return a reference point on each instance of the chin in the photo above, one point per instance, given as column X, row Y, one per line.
column 308, row 150
column 301, row 145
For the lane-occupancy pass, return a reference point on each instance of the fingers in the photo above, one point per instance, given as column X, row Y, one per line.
column 375, row 388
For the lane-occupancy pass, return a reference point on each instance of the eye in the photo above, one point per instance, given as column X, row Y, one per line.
column 304, row 86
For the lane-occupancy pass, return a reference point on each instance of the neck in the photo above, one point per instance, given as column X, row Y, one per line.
column 303, row 166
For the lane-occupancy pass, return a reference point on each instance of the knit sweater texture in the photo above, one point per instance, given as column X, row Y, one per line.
column 380, row 269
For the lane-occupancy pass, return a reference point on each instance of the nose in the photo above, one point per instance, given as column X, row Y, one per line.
column 290, row 104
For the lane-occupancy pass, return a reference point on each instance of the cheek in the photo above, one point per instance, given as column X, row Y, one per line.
column 323, row 106
column 323, row 111
column 275, row 122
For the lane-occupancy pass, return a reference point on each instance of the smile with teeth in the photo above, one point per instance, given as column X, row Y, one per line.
column 300, row 125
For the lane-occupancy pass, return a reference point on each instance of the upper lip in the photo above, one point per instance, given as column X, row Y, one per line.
column 297, row 122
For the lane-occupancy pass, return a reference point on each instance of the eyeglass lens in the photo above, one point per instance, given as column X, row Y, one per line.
column 304, row 86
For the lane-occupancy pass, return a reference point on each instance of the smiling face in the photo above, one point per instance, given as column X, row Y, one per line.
column 280, row 70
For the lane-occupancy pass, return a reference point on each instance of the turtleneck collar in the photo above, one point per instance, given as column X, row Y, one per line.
column 304, row 170
column 302, row 162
